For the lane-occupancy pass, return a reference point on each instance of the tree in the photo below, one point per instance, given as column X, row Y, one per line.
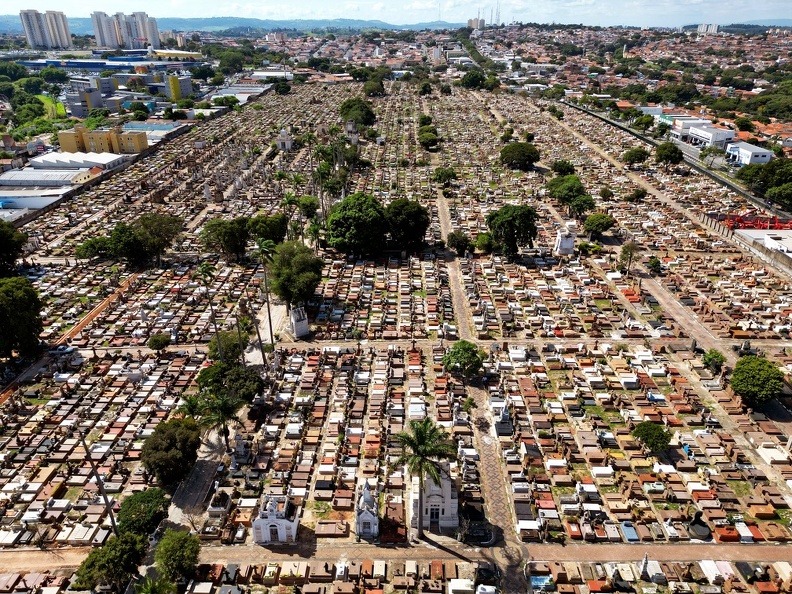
column 428, row 140
column 408, row 221
column 295, row 272
column 635, row 156
column 756, row 380
column 580, row 205
column 565, row 188
column 176, row 556
column 357, row 225
column 606, row 193
column 358, row 110
column 744, row 124
column 444, row 175
column 512, row 226
column 158, row 342
column 244, row 382
column 158, row 585
column 12, row 243
column 264, row 253
column 473, row 79
column 230, row 237
column 563, row 167
column 206, row 274
column 464, row 357
column 221, row 409
column 282, row 87
column 20, row 319
column 425, row 88
column 425, row 447
column 113, row 564
column 643, row 122
column 229, row 344
column 653, row 436
column 628, row 252
column 424, row 120
column 668, row 154
column 373, row 88
column 141, row 512
column 273, row 228
column 171, row 450
column 598, row 223
column 714, row 359
column 519, row 155
column 485, row 243
column 459, row 242
column 654, row 265
column 781, row 194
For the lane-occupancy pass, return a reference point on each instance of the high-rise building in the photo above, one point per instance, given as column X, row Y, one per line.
column 477, row 23
column 46, row 31
column 130, row 31
column 704, row 29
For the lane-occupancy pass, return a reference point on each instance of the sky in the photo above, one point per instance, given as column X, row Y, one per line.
column 660, row 13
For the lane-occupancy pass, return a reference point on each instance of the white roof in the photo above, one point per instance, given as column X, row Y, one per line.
column 75, row 160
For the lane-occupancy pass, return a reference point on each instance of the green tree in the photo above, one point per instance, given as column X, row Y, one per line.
column 628, row 252
column 357, row 225
column 428, row 140
column 425, row 447
column 643, row 122
column 171, row 450
column 756, row 380
column 229, row 237
column 635, row 156
column 654, row 265
column 113, row 564
column 221, row 409
column 598, row 223
column 459, row 242
column 12, row 243
column 519, row 155
column 157, row 232
column 158, row 585
column 714, row 359
column 358, row 110
column 141, row 512
column 464, row 357
column 158, row 342
column 272, row 228
column 485, row 243
column 176, row 556
column 563, row 167
column 473, row 79
column 606, row 193
column 653, row 436
column 408, row 221
column 565, row 188
column 20, row 319
column 424, row 120
column 512, row 226
column 244, row 382
column 228, row 343
column 744, row 125
column 669, row 154
column 295, row 272
column 206, row 275
column 444, row 175
column 580, row 205
column 373, row 88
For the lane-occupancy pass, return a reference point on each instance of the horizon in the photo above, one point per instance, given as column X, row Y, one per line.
column 636, row 13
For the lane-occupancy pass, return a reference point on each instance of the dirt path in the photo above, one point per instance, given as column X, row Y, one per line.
column 23, row 561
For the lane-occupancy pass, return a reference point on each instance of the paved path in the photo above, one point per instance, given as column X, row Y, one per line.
column 193, row 491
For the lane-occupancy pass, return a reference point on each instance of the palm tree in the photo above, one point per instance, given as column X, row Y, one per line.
column 192, row 405
column 221, row 408
column 291, row 201
column 280, row 177
column 266, row 248
column 155, row 586
column 206, row 274
column 426, row 445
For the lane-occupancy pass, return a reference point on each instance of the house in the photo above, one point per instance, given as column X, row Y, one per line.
column 743, row 153
column 366, row 513
column 277, row 522
column 440, row 502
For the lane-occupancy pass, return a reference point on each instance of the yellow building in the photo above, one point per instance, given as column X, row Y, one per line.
column 114, row 140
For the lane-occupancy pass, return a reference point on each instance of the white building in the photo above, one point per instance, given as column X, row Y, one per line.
column 440, row 502
column 277, row 522
column 132, row 31
column 710, row 136
column 366, row 512
column 284, row 141
column 46, row 31
column 564, row 243
column 742, row 153
column 708, row 29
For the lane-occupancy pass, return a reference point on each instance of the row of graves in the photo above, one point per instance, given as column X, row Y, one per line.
column 390, row 300
column 325, row 451
column 98, row 412
column 706, row 575
column 576, row 472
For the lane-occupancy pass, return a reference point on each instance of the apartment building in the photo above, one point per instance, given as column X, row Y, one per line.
column 130, row 31
column 113, row 140
column 46, row 31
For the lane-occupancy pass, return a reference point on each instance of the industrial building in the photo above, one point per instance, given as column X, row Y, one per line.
column 743, row 153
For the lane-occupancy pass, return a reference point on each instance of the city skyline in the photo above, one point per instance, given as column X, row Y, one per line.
column 663, row 13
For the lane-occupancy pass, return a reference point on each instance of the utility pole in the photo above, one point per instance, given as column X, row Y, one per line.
column 100, row 483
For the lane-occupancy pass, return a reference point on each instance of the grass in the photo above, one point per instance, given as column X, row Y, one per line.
column 321, row 509
column 740, row 488
column 54, row 109
column 784, row 516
